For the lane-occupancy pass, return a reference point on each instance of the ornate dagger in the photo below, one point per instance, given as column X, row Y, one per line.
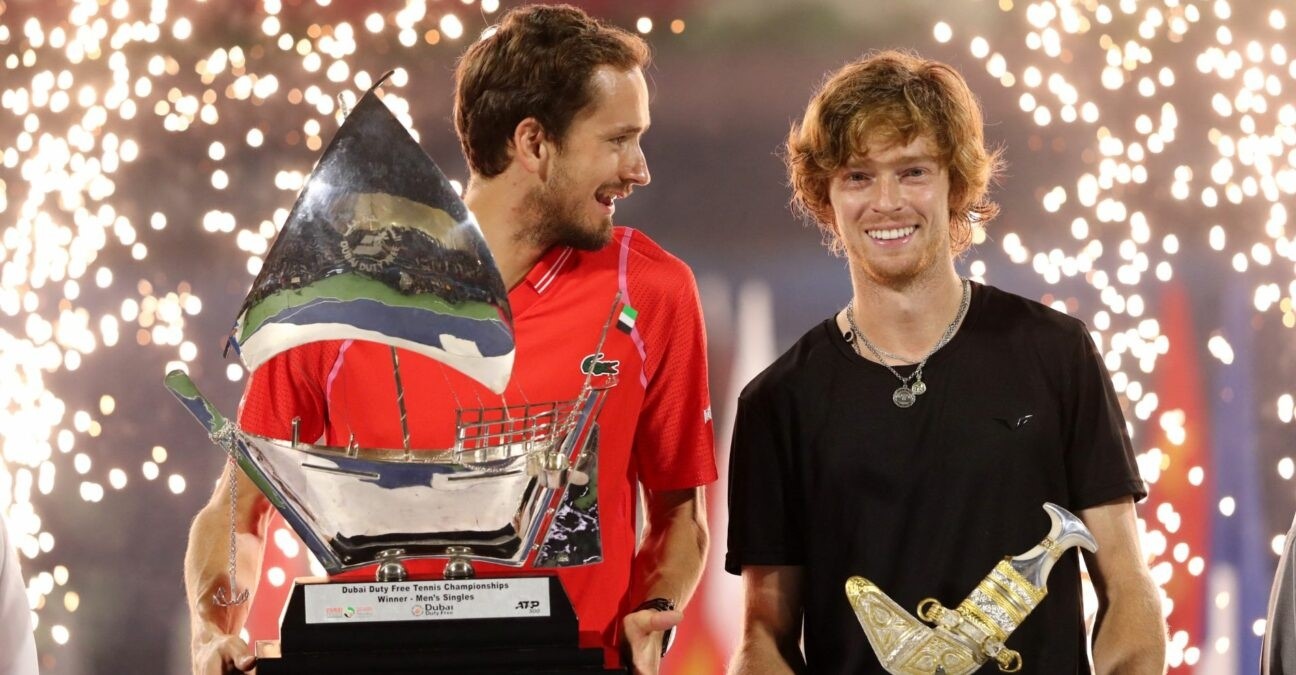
column 966, row 637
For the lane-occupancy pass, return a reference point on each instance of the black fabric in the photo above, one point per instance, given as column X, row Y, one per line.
column 828, row 474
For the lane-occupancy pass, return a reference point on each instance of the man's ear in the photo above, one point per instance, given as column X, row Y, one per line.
column 531, row 147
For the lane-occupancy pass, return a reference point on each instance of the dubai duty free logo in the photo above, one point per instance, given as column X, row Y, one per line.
column 339, row 612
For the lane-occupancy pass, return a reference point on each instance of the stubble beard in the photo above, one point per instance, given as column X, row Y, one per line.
column 555, row 211
column 924, row 269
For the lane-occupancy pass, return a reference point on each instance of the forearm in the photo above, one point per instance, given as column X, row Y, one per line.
column 670, row 559
column 1130, row 636
column 207, row 571
column 1130, row 633
column 772, row 616
column 207, row 558
column 760, row 654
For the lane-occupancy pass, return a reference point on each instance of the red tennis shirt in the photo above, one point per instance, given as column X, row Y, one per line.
column 655, row 427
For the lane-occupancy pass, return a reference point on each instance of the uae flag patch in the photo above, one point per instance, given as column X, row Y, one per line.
column 626, row 321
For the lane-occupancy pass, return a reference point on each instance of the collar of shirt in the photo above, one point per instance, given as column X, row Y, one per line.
column 540, row 278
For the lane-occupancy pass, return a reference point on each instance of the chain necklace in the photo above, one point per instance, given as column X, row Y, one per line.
column 905, row 395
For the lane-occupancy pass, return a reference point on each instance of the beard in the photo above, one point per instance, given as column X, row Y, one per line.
column 558, row 212
column 920, row 267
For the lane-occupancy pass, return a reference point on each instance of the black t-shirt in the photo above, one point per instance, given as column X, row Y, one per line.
column 827, row 473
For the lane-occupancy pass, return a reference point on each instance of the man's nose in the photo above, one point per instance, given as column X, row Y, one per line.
column 636, row 170
column 888, row 196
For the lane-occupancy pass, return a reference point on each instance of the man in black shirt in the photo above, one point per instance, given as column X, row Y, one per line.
column 1278, row 651
column 913, row 437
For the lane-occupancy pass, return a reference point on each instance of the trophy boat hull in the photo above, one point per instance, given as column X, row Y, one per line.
column 514, row 491
column 361, row 507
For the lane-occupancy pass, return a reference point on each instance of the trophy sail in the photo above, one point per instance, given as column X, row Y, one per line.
column 379, row 247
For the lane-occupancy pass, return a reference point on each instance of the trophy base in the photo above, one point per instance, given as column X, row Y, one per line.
column 485, row 662
column 390, row 628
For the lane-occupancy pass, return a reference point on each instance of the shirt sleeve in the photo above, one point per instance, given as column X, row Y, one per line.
column 1100, row 458
column 674, row 441
column 766, row 505
column 292, row 384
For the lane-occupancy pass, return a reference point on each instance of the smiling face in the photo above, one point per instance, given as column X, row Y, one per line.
column 598, row 161
column 891, row 211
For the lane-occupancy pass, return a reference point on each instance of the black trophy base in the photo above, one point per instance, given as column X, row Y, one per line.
column 479, row 646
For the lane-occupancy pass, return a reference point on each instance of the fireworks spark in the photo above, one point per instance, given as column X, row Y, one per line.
column 1206, row 122
column 92, row 93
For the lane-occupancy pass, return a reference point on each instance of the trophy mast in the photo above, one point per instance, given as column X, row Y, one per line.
column 390, row 567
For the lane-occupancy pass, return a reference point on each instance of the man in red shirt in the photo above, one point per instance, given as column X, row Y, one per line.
column 549, row 110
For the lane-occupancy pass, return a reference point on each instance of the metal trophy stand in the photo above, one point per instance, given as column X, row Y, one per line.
column 379, row 247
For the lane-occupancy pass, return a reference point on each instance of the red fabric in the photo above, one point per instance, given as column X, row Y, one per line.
column 655, row 426
column 1179, row 379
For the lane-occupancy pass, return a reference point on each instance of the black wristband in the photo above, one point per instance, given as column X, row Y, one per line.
column 660, row 605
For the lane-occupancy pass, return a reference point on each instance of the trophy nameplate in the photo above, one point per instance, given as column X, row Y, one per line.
column 436, row 600
column 514, row 643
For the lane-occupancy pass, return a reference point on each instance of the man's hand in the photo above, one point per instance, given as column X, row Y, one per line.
column 643, row 631
column 668, row 565
column 222, row 654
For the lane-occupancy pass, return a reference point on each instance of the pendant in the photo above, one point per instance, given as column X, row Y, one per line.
column 903, row 397
column 919, row 388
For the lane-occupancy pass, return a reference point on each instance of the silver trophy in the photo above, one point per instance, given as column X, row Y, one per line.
column 965, row 638
column 379, row 247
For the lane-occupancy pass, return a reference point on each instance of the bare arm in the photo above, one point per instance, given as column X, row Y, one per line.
column 772, row 613
column 668, row 565
column 214, row 643
column 1130, row 634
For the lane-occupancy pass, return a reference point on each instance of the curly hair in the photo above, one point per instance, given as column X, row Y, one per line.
column 892, row 97
column 537, row 63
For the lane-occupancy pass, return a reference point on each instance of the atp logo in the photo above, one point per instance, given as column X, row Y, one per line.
column 595, row 365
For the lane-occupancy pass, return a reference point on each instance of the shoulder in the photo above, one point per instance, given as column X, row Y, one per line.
column 644, row 260
column 1017, row 330
column 798, row 370
column 639, row 245
column 1002, row 310
column 308, row 360
column 649, row 277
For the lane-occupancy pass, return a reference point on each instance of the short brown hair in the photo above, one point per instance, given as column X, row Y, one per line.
column 893, row 96
column 537, row 63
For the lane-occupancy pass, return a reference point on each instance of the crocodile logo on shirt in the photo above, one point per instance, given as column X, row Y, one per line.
column 595, row 365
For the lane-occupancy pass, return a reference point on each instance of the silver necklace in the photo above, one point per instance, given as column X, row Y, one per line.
column 905, row 395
